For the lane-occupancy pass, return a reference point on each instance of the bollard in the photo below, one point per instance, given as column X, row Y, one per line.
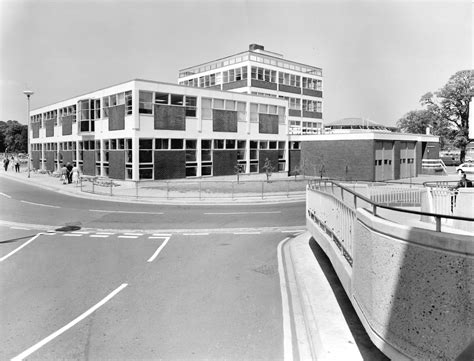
column 232, row 190
column 288, row 189
column 80, row 180
column 93, row 185
column 111, row 188
column 438, row 223
column 136, row 189
column 374, row 209
column 262, row 188
column 200, row 190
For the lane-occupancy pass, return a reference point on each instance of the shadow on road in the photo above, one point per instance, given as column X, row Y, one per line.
column 367, row 349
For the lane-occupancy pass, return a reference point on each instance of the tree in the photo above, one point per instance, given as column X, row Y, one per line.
column 416, row 122
column 451, row 105
column 268, row 169
column 13, row 136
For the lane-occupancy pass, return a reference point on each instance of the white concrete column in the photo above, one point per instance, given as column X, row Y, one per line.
column 199, row 157
column 135, row 158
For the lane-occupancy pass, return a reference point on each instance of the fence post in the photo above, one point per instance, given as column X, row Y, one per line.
column 93, row 185
column 355, row 201
column 262, row 188
column 80, row 179
column 438, row 223
column 374, row 209
column 136, row 189
column 111, row 182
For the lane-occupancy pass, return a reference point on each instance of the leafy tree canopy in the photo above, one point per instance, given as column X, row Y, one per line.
column 13, row 136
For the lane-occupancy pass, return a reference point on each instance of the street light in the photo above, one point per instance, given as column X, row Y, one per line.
column 28, row 93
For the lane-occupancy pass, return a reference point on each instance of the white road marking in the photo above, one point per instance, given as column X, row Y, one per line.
column 126, row 212
column 40, row 204
column 23, row 228
column 17, row 249
column 105, row 233
column 240, row 213
column 72, row 235
column 296, row 231
column 157, row 252
column 99, row 236
column 133, row 234
column 134, row 237
column 247, row 232
column 287, row 336
column 195, row 234
column 5, row 195
column 78, row 319
column 162, row 234
column 49, row 233
column 80, row 232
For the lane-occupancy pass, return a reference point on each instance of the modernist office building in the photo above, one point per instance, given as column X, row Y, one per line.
column 231, row 113
column 151, row 130
column 261, row 72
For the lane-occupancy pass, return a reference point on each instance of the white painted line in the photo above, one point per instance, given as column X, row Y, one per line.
column 133, row 234
column 72, row 235
column 134, row 237
column 157, row 237
column 22, row 228
column 287, row 336
column 126, row 212
column 5, row 195
column 17, row 249
column 40, row 204
column 157, row 252
column 105, row 233
column 162, row 234
column 49, row 233
column 80, row 232
column 63, row 329
column 246, row 232
column 99, row 236
column 296, row 231
column 234, row 213
column 195, row 234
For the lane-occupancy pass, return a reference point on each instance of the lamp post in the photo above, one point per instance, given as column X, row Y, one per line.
column 28, row 93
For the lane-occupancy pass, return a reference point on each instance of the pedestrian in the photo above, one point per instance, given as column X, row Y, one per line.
column 6, row 161
column 69, row 172
column 13, row 163
column 17, row 165
column 75, row 174
column 463, row 181
column 64, row 174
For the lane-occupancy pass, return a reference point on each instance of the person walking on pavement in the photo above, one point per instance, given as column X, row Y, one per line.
column 6, row 161
column 69, row 172
column 75, row 174
column 17, row 165
column 64, row 174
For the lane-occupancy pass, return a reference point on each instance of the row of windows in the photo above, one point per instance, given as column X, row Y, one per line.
column 124, row 98
column 147, row 99
column 256, row 109
column 208, row 104
column 264, row 74
column 232, row 75
column 258, row 58
column 312, row 105
column 310, row 83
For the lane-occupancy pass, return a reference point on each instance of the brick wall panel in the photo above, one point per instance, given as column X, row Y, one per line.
column 88, row 164
column 263, row 84
column 35, row 161
column 294, row 160
column 235, row 84
column 315, row 115
column 66, row 125
column 35, row 127
column 357, row 155
column 224, row 120
column 224, row 161
column 289, row 89
column 168, row 117
column 49, row 125
column 49, row 156
column 313, row 93
column 170, row 164
column 117, row 164
column 117, row 117
column 268, row 123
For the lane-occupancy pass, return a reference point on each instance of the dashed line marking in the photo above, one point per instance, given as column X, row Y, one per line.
column 5, row 195
column 134, row 237
column 63, row 329
column 195, row 234
column 81, row 232
column 240, row 213
column 160, row 248
column 247, row 232
column 296, row 231
column 133, row 234
column 99, row 236
column 72, row 235
column 40, row 204
column 162, row 234
column 106, row 233
column 125, row 212
column 49, row 233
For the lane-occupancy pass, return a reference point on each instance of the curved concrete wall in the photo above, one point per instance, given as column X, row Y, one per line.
column 413, row 288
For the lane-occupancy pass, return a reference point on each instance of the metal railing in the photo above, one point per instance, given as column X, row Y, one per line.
column 194, row 189
column 353, row 200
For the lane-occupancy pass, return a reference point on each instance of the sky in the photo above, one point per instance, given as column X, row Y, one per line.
column 378, row 57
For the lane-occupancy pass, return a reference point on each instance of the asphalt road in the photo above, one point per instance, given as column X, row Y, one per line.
column 163, row 282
